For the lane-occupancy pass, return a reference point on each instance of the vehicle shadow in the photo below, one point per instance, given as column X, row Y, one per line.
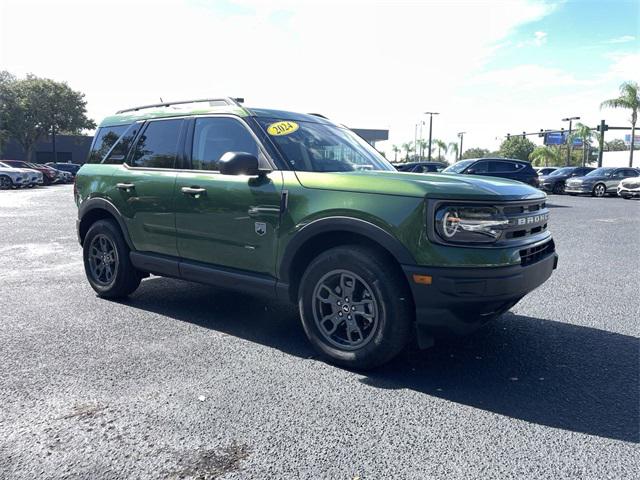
column 541, row 371
column 553, row 205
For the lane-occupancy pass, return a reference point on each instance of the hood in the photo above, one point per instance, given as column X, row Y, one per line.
column 436, row 185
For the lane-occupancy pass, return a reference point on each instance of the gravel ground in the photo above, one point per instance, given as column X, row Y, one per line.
column 185, row 381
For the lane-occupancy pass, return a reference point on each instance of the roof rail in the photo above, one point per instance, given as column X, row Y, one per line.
column 226, row 100
column 318, row 115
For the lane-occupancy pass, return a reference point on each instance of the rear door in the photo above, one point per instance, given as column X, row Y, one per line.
column 230, row 220
column 505, row 169
column 144, row 183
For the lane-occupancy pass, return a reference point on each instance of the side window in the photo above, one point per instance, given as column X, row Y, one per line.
column 157, row 146
column 480, row 167
column 504, row 167
column 120, row 149
column 619, row 174
column 213, row 137
column 104, row 140
column 630, row 173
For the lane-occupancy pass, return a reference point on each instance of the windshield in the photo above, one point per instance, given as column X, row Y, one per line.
column 562, row 171
column 458, row 167
column 318, row 147
column 600, row 172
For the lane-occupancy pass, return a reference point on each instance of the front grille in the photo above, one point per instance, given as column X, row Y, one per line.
column 525, row 219
column 529, row 256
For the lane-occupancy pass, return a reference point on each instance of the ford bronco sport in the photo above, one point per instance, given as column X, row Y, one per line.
column 294, row 206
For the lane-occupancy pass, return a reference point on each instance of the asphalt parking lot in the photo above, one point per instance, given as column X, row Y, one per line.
column 186, row 381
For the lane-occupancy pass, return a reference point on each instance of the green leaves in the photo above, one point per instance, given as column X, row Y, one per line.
column 34, row 107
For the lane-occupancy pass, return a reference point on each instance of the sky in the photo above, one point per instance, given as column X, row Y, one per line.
column 489, row 67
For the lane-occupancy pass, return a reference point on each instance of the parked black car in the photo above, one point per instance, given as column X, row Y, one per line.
column 555, row 182
column 545, row 170
column 72, row 168
column 420, row 167
column 497, row 167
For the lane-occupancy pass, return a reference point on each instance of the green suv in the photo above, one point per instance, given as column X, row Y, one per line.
column 294, row 206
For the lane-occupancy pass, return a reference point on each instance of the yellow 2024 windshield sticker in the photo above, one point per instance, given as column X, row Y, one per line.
column 282, row 128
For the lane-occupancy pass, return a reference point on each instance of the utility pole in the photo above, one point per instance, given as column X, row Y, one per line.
column 603, row 127
column 569, row 140
column 431, row 114
column 461, row 136
column 421, row 140
column 415, row 139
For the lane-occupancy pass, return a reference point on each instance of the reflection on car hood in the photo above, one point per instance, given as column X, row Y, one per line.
column 436, row 185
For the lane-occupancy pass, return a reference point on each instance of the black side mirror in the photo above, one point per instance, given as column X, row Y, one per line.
column 239, row 163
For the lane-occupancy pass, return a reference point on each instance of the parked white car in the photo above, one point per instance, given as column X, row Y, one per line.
column 13, row 177
column 629, row 187
column 34, row 176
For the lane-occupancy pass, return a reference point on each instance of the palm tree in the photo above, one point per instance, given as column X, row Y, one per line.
column 544, row 155
column 585, row 134
column 396, row 150
column 407, row 147
column 422, row 144
column 442, row 147
column 628, row 99
column 453, row 147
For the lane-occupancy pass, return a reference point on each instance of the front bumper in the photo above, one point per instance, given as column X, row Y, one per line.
column 578, row 188
column 628, row 192
column 460, row 300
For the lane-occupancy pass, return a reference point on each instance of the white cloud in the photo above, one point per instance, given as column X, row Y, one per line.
column 622, row 39
column 539, row 38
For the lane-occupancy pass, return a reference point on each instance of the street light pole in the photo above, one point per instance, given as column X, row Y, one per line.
column 569, row 140
column 461, row 135
column 431, row 114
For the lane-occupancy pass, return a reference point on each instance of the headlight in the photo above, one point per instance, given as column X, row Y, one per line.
column 470, row 224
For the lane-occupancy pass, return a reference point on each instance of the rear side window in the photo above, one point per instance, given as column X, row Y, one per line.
column 505, row 166
column 213, row 137
column 480, row 167
column 630, row 173
column 106, row 137
column 121, row 148
column 157, row 145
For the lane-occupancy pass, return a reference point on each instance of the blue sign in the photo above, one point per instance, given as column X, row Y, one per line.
column 560, row 138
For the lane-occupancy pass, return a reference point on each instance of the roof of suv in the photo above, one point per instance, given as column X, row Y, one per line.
column 200, row 107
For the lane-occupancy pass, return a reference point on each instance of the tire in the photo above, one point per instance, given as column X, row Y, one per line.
column 5, row 182
column 104, row 246
column 384, row 312
column 558, row 188
column 599, row 190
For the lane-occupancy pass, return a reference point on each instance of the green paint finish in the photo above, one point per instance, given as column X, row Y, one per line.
column 233, row 224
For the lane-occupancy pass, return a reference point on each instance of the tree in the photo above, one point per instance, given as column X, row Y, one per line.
column 585, row 134
column 5, row 80
column 441, row 146
column 396, row 150
column 474, row 153
column 408, row 148
column 453, row 147
column 423, row 145
column 516, row 147
column 34, row 107
column 629, row 98
column 545, row 156
column 615, row 145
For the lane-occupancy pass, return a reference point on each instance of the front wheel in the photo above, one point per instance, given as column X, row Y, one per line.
column 5, row 183
column 355, row 307
column 106, row 261
column 558, row 188
column 599, row 190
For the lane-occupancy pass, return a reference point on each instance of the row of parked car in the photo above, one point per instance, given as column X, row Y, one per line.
column 20, row 174
column 598, row 182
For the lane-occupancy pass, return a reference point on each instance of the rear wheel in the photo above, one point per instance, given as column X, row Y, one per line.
column 106, row 261
column 599, row 190
column 355, row 307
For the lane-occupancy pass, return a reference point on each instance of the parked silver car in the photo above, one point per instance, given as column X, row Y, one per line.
column 599, row 182
column 12, row 177
column 35, row 177
column 629, row 188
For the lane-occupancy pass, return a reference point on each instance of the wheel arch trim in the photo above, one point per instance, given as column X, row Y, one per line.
column 100, row 203
column 341, row 224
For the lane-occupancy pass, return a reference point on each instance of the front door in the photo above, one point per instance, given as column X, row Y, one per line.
column 226, row 220
column 144, row 187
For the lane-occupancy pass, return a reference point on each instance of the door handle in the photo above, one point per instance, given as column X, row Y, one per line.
column 193, row 191
column 125, row 186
